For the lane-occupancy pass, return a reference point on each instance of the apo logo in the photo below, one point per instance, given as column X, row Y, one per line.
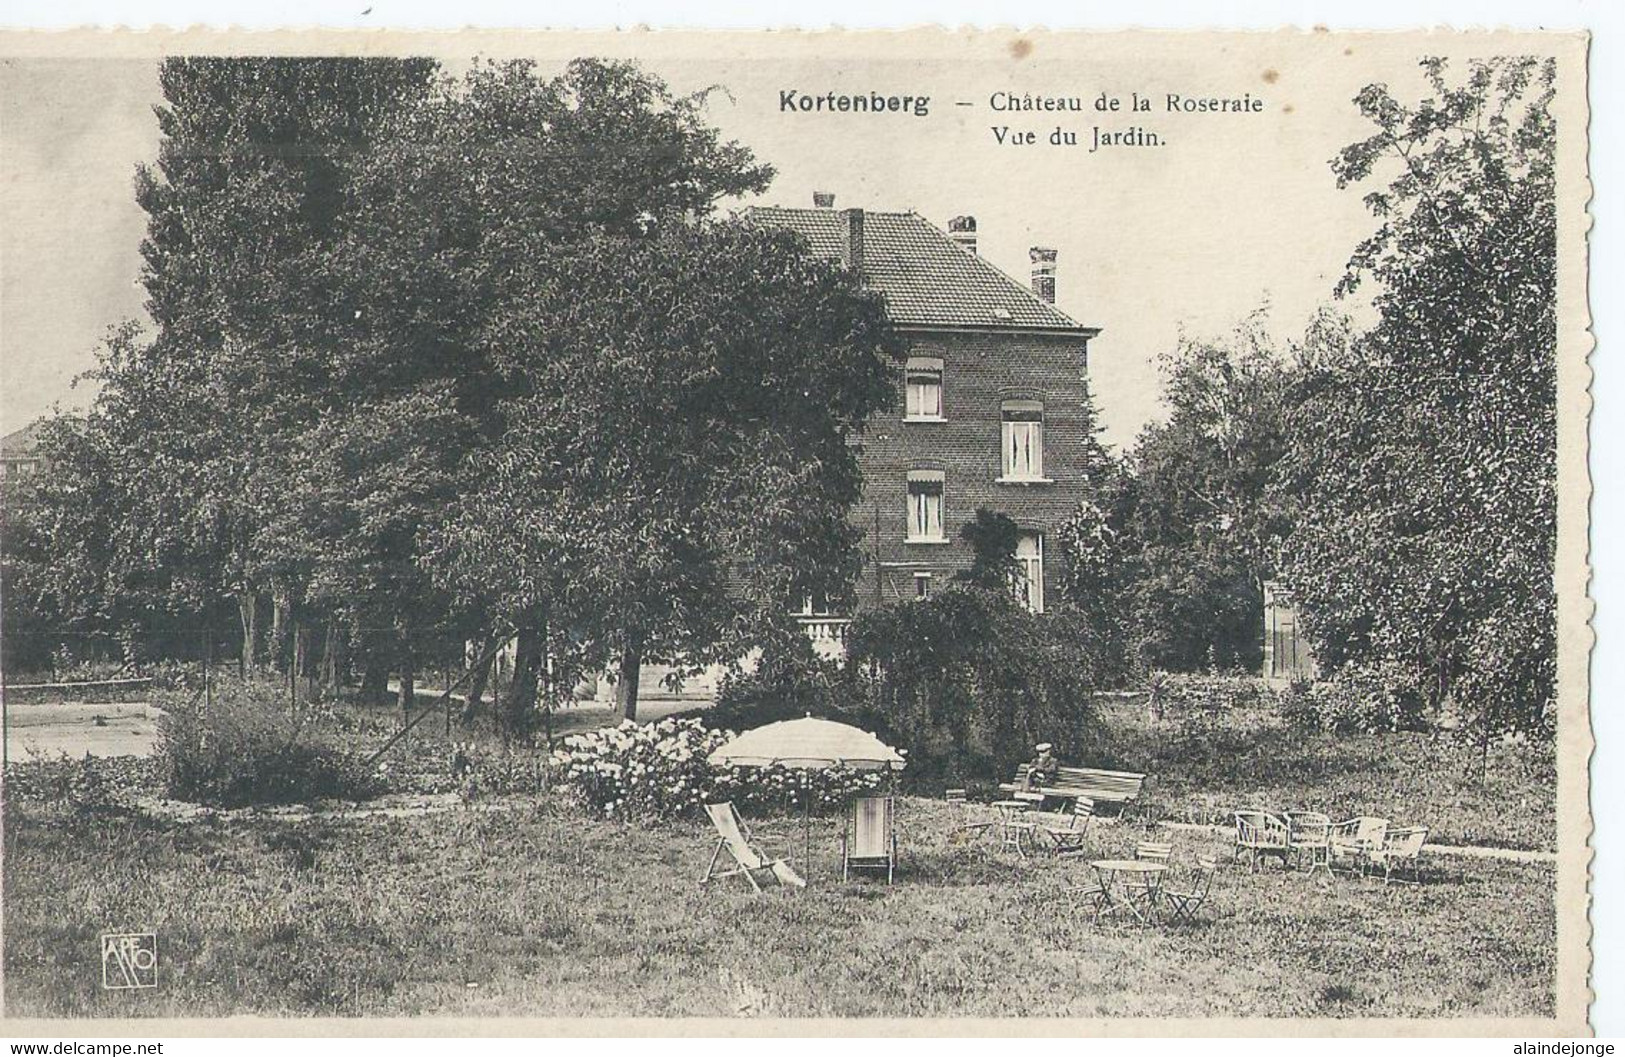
column 129, row 960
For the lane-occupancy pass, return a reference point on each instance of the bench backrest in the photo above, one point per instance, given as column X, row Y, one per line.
column 1091, row 782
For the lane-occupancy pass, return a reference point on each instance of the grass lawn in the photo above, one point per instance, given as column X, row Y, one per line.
column 538, row 911
column 1203, row 770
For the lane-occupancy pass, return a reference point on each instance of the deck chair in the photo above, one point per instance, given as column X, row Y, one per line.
column 870, row 841
column 967, row 824
column 1068, row 839
column 1401, row 850
column 1183, row 903
column 757, row 868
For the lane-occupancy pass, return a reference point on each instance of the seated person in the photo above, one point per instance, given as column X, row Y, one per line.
column 1042, row 768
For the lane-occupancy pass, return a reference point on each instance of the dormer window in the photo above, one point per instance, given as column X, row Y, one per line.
column 923, row 378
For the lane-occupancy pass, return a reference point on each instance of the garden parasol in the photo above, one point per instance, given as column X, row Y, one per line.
column 808, row 744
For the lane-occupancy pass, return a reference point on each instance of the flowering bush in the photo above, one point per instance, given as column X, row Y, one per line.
column 796, row 791
column 636, row 771
column 660, row 771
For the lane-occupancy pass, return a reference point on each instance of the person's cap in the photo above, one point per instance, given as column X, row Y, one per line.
column 1044, row 746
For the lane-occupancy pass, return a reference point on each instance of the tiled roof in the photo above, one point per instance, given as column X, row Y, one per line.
column 21, row 443
column 927, row 277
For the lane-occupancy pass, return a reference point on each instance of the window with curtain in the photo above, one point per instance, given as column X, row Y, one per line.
column 924, row 381
column 1029, row 584
column 925, row 505
column 1023, row 439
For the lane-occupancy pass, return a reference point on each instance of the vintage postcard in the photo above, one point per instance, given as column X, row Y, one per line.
column 883, row 532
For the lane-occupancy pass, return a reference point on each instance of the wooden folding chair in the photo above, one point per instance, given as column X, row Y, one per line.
column 968, row 824
column 1068, row 839
column 732, row 834
column 1183, row 903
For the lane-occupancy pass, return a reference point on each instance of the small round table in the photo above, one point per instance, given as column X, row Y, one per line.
column 1137, row 898
column 1012, row 823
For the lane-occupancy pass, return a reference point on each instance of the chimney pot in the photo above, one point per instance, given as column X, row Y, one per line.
column 852, row 239
column 1043, row 259
column 963, row 231
column 823, row 200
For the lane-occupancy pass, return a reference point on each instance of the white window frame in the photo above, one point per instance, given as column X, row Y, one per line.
column 923, row 390
column 1021, row 440
column 1029, row 578
column 923, row 487
column 922, row 587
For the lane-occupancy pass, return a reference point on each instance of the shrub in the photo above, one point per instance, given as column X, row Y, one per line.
column 84, row 786
column 1359, row 699
column 245, row 749
column 968, row 682
column 784, row 684
column 660, row 772
column 1178, row 694
column 474, row 771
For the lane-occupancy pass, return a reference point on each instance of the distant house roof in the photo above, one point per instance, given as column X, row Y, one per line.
column 928, row 279
column 20, row 444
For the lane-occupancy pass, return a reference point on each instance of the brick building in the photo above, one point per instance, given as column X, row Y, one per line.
column 993, row 408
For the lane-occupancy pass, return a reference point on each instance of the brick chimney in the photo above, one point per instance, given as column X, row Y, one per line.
column 823, row 200
column 852, row 239
column 1043, row 259
column 963, row 231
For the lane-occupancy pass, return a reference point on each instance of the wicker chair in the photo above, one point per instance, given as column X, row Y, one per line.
column 1401, row 850
column 1309, row 834
column 1353, row 840
column 870, row 840
column 1260, row 834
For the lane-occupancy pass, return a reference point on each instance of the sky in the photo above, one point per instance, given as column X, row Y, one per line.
column 1232, row 212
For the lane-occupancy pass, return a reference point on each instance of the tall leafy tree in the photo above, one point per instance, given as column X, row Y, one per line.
column 1425, row 461
column 1193, row 526
column 676, row 463
column 249, row 190
column 473, row 208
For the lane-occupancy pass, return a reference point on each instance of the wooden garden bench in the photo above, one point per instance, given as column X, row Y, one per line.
column 1071, row 783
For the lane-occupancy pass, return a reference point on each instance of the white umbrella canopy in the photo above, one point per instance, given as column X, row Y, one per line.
column 808, row 743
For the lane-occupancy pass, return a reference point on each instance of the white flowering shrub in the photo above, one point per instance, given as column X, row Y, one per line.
column 659, row 771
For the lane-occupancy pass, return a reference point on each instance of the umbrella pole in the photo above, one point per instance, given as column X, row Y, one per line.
column 806, row 833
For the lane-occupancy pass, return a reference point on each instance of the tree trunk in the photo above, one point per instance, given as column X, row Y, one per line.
column 248, row 611
column 281, row 618
column 626, row 684
column 476, row 689
column 408, row 689
column 527, row 667
column 330, row 661
column 375, row 679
